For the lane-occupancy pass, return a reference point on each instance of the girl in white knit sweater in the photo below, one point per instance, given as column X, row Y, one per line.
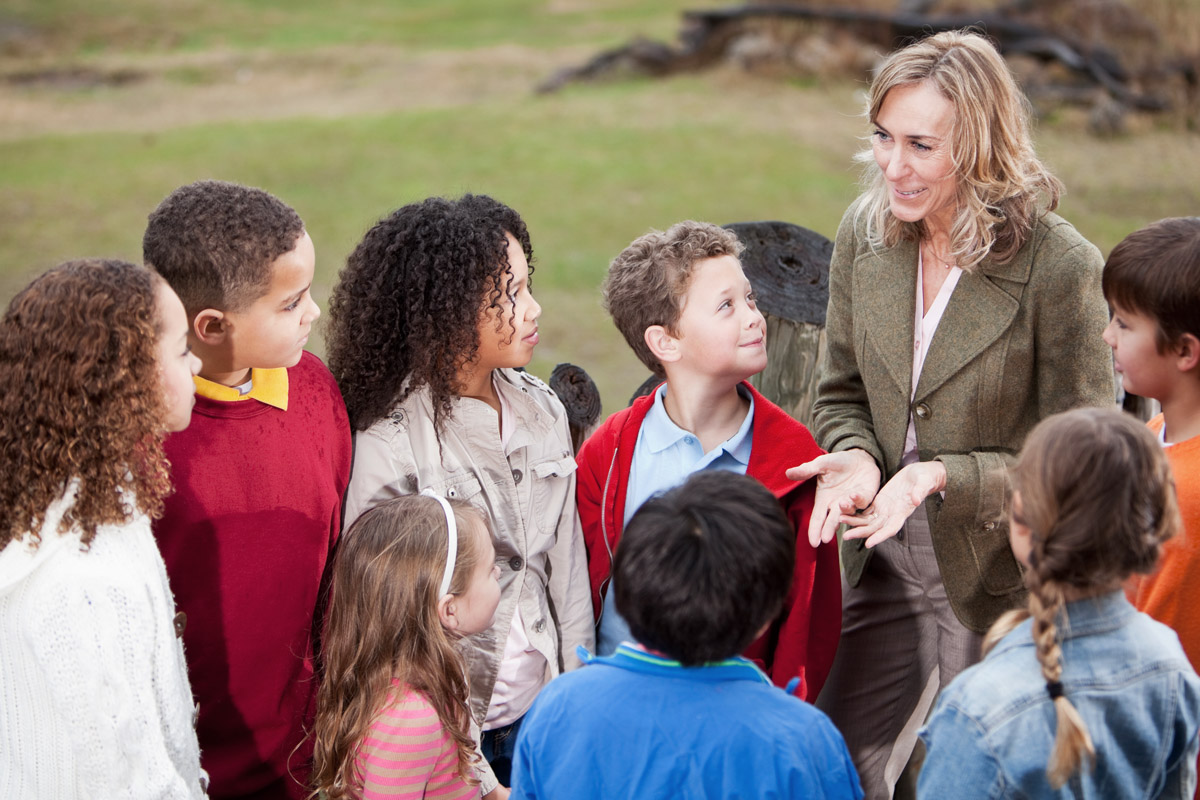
column 94, row 695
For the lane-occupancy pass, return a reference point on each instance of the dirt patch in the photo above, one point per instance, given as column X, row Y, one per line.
column 154, row 93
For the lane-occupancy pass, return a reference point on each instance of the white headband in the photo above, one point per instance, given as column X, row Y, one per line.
column 451, row 541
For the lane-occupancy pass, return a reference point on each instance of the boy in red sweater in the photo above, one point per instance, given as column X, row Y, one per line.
column 259, row 478
column 1152, row 283
column 684, row 305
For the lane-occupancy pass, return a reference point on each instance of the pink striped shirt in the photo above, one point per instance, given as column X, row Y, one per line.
column 408, row 755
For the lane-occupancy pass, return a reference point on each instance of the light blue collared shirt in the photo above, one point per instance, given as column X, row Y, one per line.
column 664, row 456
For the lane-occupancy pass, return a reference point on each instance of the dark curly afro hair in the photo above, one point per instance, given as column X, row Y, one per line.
column 406, row 310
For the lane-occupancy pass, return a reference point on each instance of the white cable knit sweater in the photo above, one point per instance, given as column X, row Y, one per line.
column 94, row 694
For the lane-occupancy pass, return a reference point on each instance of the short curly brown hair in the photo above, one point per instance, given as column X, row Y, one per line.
column 78, row 353
column 647, row 282
column 406, row 309
column 215, row 243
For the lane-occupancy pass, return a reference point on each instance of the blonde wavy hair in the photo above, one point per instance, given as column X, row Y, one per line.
column 1097, row 496
column 382, row 625
column 82, row 399
column 1002, row 186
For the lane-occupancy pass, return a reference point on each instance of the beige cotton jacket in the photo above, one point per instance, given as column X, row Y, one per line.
column 529, row 498
column 1018, row 342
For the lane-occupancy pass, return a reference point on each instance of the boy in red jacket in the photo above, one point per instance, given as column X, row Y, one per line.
column 684, row 305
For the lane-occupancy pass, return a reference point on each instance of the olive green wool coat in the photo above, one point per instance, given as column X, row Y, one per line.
column 1018, row 342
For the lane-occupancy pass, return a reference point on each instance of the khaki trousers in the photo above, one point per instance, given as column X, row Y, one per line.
column 901, row 644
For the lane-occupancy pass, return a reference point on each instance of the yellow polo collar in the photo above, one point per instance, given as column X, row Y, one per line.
column 270, row 387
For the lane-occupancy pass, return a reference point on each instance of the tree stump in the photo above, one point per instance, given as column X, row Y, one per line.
column 788, row 266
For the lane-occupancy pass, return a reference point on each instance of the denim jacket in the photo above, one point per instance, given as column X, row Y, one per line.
column 992, row 731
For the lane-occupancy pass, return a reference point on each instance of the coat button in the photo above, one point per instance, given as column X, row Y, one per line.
column 180, row 623
column 540, row 625
column 515, row 563
column 923, row 411
column 517, row 476
column 989, row 526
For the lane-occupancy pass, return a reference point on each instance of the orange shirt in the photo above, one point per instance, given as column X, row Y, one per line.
column 1168, row 593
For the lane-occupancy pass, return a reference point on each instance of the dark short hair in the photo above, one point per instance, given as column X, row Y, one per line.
column 1155, row 271
column 703, row 567
column 215, row 243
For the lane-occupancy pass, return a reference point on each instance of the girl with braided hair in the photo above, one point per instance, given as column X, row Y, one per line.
column 1079, row 694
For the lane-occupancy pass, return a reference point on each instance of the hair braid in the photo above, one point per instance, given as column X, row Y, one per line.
column 1072, row 743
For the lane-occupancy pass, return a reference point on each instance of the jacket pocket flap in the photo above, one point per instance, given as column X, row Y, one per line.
column 461, row 487
column 555, row 468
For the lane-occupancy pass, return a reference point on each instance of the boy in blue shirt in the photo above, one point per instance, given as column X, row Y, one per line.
column 701, row 572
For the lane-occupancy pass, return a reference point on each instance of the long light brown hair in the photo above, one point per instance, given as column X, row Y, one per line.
column 82, row 399
column 383, row 624
column 1097, row 496
column 1002, row 186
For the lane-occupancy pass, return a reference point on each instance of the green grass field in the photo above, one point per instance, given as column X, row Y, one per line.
column 348, row 112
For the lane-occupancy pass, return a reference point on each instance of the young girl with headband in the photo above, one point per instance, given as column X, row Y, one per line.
column 1079, row 695
column 411, row 576
column 94, row 692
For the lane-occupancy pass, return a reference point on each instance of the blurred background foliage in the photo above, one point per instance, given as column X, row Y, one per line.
column 348, row 110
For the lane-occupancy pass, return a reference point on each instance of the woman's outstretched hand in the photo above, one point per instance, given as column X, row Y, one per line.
column 895, row 502
column 846, row 481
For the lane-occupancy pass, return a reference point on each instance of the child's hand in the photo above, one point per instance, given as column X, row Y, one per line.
column 499, row 793
column 895, row 502
column 846, row 481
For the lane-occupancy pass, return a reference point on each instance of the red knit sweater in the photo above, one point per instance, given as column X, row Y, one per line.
column 803, row 639
column 246, row 538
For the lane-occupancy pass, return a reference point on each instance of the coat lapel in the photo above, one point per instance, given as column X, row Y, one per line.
column 889, row 283
column 977, row 314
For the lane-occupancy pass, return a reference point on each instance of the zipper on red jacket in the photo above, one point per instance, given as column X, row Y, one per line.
column 604, row 531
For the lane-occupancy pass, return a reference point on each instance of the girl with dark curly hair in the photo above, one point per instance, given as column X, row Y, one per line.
column 95, row 700
column 429, row 324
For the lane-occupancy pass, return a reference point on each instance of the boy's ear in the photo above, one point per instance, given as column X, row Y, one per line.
column 210, row 326
column 1187, row 352
column 447, row 615
column 662, row 344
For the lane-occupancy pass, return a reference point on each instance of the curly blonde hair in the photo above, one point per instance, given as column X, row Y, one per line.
column 79, row 357
column 1002, row 186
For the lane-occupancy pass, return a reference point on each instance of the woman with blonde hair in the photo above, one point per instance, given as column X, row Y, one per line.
column 1079, row 694
column 961, row 312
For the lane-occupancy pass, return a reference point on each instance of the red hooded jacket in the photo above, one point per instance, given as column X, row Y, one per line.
column 802, row 641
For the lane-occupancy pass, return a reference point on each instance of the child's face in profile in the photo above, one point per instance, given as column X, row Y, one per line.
column 508, row 333
column 176, row 363
column 1133, row 338
column 475, row 608
column 272, row 331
